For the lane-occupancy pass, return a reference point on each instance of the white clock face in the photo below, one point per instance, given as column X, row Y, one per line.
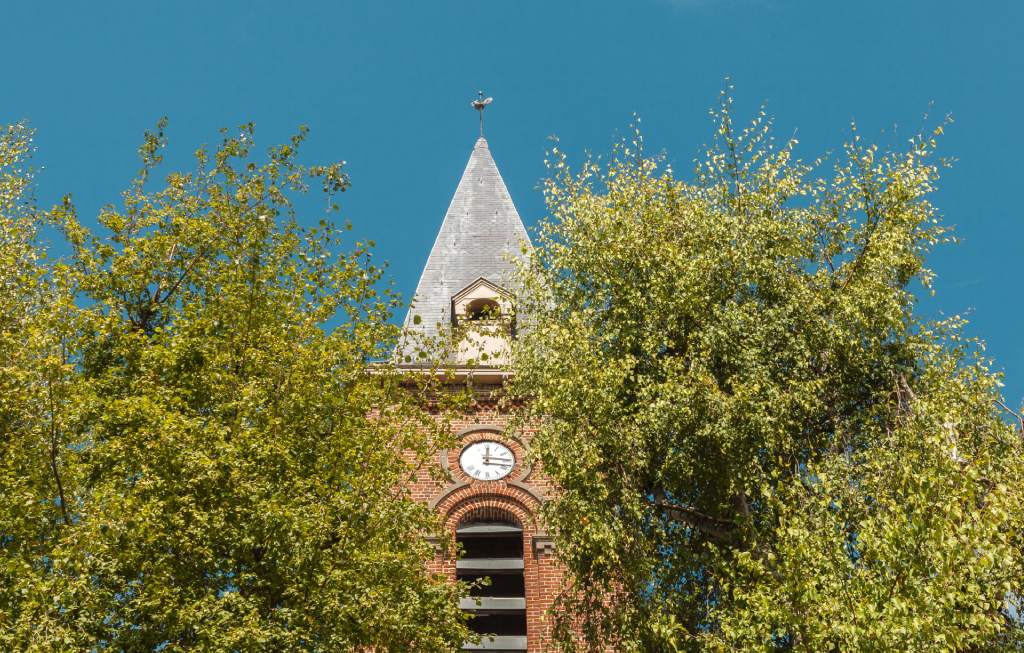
column 487, row 460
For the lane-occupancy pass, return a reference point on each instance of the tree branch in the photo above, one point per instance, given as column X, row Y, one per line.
column 54, row 438
column 1020, row 418
column 719, row 529
column 184, row 273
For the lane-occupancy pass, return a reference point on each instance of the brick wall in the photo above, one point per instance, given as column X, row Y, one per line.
column 457, row 497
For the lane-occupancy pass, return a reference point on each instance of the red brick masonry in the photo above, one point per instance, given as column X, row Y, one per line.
column 460, row 498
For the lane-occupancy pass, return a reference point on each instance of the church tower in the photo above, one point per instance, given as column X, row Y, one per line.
column 490, row 495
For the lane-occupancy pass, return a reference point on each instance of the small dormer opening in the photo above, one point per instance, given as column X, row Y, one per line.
column 483, row 309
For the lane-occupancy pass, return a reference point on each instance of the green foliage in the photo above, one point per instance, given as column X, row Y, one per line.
column 191, row 459
column 760, row 446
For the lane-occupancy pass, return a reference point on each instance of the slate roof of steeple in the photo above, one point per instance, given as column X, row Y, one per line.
column 480, row 231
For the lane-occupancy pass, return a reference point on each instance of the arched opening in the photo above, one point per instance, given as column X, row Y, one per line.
column 483, row 309
column 492, row 544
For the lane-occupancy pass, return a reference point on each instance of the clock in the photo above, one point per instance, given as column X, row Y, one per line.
column 487, row 460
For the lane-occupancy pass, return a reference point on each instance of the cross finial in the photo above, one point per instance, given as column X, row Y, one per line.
column 480, row 103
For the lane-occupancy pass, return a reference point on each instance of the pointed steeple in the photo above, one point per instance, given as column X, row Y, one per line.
column 480, row 231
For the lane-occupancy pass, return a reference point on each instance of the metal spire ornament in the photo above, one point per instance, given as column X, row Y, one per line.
column 480, row 103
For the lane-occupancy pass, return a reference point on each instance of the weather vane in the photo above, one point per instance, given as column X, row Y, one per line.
column 480, row 103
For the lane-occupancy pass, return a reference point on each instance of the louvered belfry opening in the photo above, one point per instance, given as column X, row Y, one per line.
column 493, row 548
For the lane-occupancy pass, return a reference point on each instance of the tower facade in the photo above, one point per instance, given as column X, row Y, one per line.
column 488, row 494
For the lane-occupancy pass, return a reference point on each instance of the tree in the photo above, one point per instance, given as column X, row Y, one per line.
column 760, row 445
column 202, row 456
column 32, row 382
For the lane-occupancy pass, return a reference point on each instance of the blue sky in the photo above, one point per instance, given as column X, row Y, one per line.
column 385, row 86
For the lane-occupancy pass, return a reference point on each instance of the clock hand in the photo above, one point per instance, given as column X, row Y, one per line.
column 488, row 460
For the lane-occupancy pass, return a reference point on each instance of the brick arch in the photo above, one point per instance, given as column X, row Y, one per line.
column 510, row 503
column 479, row 428
column 489, row 513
